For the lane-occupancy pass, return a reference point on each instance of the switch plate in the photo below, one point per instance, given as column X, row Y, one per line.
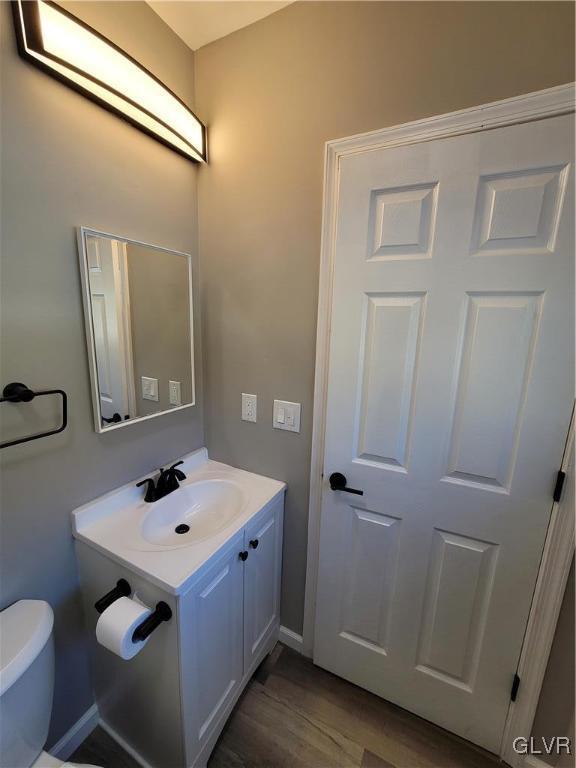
column 149, row 388
column 286, row 416
column 174, row 393
column 249, row 407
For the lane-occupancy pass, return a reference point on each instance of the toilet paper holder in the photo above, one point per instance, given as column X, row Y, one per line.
column 161, row 613
column 122, row 589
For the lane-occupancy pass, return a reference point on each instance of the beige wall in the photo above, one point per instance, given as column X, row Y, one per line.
column 160, row 320
column 66, row 162
column 272, row 94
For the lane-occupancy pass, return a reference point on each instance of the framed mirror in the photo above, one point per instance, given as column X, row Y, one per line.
column 138, row 309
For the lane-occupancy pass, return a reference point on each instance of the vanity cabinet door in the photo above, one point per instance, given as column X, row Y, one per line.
column 263, row 542
column 212, row 626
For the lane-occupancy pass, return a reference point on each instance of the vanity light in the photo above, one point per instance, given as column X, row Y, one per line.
column 73, row 52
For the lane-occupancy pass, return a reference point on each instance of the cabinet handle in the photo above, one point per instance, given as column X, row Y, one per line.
column 243, row 556
column 254, row 543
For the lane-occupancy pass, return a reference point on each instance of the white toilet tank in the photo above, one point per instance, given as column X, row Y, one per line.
column 26, row 681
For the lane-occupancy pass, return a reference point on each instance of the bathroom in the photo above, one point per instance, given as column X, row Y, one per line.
column 273, row 83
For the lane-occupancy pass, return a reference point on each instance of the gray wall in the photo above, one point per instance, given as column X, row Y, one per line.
column 160, row 313
column 68, row 162
column 272, row 94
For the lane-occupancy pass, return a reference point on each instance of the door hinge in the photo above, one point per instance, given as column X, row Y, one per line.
column 560, row 477
column 515, row 686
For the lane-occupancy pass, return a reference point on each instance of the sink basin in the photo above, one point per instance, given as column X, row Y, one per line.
column 193, row 513
column 213, row 504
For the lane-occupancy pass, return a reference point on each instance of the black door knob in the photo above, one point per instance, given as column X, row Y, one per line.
column 115, row 419
column 243, row 556
column 338, row 483
column 254, row 543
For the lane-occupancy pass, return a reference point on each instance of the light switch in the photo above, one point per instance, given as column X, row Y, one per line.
column 149, row 388
column 249, row 407
column 286, row 416
column 174, row 393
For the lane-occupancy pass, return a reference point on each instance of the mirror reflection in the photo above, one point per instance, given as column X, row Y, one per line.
column 138, row 299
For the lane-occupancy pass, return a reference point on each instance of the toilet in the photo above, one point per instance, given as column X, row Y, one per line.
column 26, row 685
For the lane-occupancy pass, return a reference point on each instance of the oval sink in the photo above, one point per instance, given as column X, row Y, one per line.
column 194, row 512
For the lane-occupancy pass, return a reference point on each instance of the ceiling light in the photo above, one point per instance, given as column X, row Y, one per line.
column 73, row 52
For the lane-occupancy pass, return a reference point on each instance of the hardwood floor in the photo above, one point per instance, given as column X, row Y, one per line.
column 101, row 750
column 295, row 715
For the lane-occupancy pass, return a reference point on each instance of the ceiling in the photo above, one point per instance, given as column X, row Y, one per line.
column 199, row 23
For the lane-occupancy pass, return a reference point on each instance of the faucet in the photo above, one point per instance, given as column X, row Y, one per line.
column 168, row 481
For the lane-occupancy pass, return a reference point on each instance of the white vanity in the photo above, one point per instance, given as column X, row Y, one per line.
column 221, row 579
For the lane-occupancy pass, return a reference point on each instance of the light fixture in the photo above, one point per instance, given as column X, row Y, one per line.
column 65, row 47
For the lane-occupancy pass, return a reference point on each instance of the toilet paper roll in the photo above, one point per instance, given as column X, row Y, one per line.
column 116, row 625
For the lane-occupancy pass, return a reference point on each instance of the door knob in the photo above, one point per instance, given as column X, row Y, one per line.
column 254, row 543
column 338, row 483
column 115, row 419
column 243, row 556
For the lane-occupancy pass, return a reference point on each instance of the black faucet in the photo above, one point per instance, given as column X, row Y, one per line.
column 168, row 481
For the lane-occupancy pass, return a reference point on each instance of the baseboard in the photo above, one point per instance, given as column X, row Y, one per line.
column 90, row 719
column 75, row 735
column 291, row 639
column 124, row 744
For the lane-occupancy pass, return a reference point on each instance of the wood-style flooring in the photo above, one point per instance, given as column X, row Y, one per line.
column 295, row 715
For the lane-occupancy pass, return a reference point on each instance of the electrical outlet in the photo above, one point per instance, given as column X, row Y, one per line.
column 149, row 388
column 249, row 407
column 174, row 393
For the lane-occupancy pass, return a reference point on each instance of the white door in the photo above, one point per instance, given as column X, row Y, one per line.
column 108, row 279
column 450, row 393
column 263, row 543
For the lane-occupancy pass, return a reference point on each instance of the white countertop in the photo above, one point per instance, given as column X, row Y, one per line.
column 112, row 523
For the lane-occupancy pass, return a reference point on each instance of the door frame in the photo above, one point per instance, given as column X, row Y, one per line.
column 546, row 603
column 123, row 308
column 551, row 102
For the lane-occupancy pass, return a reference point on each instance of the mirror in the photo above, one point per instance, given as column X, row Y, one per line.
column 138, row 312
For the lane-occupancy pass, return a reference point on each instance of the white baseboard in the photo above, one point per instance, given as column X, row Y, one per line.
column 291, row 639
column 124, row 744
column 75, row 735
column 83, row 727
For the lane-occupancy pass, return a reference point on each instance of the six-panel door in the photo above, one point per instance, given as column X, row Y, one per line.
column 449, row 399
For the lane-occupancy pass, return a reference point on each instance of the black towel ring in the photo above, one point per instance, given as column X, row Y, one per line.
column 20, row 393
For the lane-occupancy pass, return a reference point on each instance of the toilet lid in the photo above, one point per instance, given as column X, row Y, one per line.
column 25, row 628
